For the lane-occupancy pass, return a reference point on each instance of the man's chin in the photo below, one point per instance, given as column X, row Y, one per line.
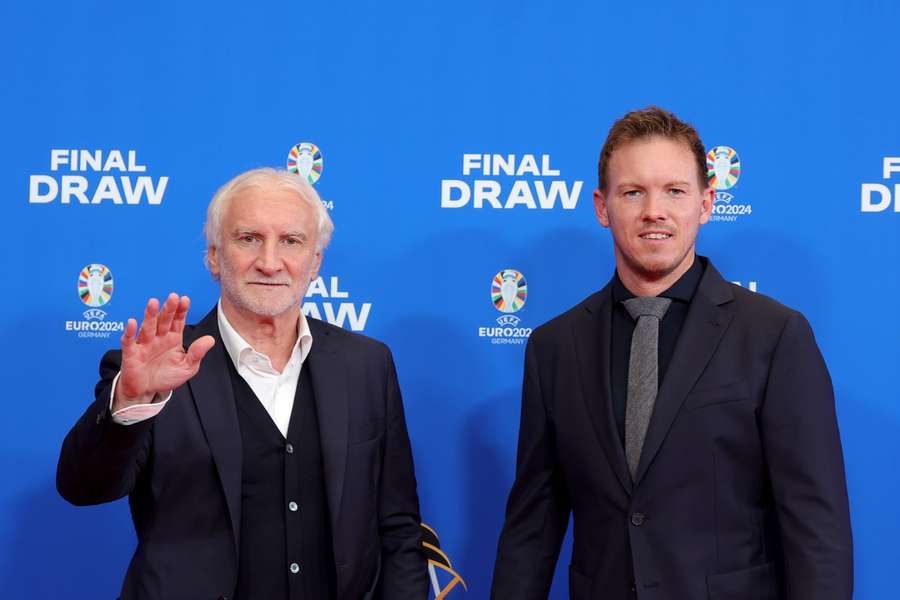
column 656, row 268
column 265, row 307
column 266, row 310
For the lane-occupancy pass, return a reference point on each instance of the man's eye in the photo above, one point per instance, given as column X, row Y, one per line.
column 632, row 193
column 247, row 239
column 291, row 241
column 676, row 192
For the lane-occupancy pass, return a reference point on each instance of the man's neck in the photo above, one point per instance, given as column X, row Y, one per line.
column 273, row 336
column 640, row 285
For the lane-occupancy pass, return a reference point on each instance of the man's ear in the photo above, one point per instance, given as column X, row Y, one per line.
column 212, row 261
column 600, row 208
column 708, row 199
column 317, row 263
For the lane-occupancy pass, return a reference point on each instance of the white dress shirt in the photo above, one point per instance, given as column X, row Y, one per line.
column 274, row 390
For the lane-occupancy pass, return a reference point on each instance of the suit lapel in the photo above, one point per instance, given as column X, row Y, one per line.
column 708, row 318
column 592, row 332
column 332, row 394
column 214, row 399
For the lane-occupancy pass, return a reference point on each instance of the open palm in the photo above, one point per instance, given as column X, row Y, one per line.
column 154, row 360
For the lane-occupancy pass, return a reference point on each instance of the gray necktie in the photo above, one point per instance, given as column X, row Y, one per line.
column 643, row 372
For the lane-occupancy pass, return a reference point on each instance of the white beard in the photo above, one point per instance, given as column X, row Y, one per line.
column 262, row 303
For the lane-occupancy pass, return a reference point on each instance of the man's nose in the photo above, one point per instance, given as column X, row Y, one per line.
column 654, row 207
column 268, row 261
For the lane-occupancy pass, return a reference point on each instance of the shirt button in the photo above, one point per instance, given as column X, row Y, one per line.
column 289, row 448
column 295, row 568
column 637, row 519
column 293, row 506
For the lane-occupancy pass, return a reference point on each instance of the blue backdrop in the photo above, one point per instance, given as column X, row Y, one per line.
column 120, row 120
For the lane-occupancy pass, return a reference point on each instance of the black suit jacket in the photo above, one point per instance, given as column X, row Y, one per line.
column 182, row 473
column 740, row 490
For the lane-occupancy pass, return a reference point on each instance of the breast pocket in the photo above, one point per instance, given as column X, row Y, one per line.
column 366, row 429
column 716, row 394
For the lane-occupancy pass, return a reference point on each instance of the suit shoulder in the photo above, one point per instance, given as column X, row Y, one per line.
column 562, row 323
column 760, row 306
column 763, row 317
column 350, row 340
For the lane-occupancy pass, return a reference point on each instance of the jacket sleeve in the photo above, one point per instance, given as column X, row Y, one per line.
column 537, row 512
column 403, row 564
column 100, row 460
column 806, row 469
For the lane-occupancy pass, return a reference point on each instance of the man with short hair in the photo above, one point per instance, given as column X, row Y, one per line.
column 270, row 459
column 686, row 423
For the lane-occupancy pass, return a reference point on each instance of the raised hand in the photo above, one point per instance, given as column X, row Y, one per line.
column 154, row 360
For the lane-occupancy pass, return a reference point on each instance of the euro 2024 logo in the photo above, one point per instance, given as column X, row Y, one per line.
column 305, row 159
column 723, row 169
column 95, row 289
column 509, row 291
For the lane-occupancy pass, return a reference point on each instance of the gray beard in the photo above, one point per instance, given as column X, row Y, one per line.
column 240, row 299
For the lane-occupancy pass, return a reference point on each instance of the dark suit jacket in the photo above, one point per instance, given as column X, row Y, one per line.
column 740, row 490
column 182, row 473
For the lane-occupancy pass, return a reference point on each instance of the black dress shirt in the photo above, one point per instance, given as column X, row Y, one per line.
column 681, row 293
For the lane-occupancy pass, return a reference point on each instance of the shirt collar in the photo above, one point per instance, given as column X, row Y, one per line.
column 682, row 290
column 237, row 347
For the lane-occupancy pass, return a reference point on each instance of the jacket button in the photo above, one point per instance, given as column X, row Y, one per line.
column 289, row 448
column 637, row 519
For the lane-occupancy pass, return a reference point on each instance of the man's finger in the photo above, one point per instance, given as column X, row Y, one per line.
column 128, row 335
column 198, row 349
column 180, row 315
column 148, row 325
column 167, row 314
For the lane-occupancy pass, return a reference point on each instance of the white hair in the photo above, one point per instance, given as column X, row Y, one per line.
column 265, row 177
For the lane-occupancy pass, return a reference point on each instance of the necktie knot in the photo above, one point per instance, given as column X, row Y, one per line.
column 647, row 306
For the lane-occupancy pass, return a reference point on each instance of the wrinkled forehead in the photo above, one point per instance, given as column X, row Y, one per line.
column 268, row 204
